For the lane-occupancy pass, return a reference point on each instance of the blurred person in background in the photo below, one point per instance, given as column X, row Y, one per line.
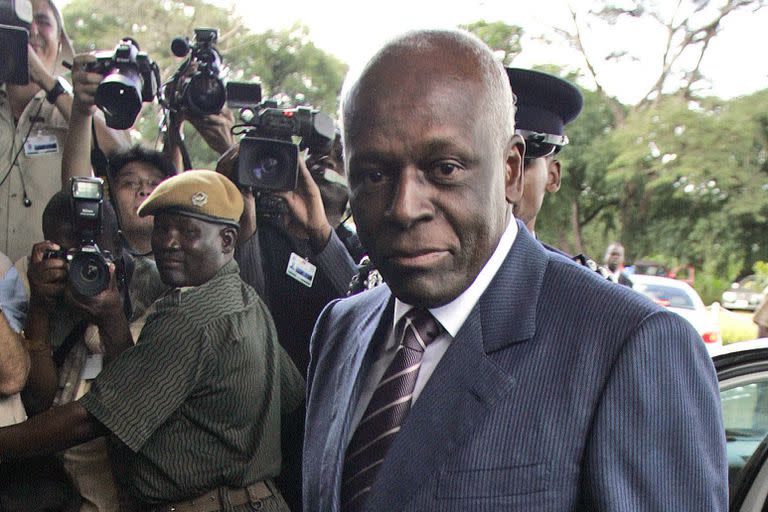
column 34, row 120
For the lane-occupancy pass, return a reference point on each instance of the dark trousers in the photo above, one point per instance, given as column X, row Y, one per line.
column 36, row 484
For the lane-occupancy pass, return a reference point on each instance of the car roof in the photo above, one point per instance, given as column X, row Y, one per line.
column 741, row 346
column 661, row 281
column 640, row 281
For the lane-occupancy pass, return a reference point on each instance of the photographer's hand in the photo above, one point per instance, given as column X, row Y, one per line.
column 47, row 277
column 76, row 156
column 307, row 219
column 84, row 84
column 216, row 129
column 37, row 72
column 105, row 310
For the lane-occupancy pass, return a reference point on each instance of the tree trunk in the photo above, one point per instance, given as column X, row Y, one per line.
column 576, row 227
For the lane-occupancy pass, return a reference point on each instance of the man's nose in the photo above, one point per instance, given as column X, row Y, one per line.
column 145, row 188
column 410, row 198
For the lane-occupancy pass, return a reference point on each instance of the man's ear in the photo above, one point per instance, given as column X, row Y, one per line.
column 228, row 239
column 553, row 175
column 514, row 169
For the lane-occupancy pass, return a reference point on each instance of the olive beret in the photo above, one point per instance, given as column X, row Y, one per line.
column 205, row 195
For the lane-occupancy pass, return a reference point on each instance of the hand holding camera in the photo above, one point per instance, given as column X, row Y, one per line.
column 103, row 308
column 47, row 276
column 306, row 217
column 38, row 74
column 84, row 83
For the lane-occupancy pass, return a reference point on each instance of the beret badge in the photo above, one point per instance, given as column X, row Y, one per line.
column 199, row 199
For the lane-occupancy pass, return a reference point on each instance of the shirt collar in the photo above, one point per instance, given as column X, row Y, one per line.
column 453, row 315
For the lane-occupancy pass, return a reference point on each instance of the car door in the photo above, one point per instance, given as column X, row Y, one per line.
column 743, row 377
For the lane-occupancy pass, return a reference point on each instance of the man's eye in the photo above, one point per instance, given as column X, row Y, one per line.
column 446, row 168
column 374, row 176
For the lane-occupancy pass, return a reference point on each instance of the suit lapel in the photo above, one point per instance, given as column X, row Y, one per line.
column 466, row 385
column 365, row 331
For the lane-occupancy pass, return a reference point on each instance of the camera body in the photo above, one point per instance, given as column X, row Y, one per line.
column 203, row 91
column 88, row 268
column 131, row 78
column 15, row 20
column 269, row 157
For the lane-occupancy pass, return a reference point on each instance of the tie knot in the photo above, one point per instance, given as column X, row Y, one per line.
column 420, row 329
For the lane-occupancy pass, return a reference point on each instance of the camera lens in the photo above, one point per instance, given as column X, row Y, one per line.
column 88, row 273
column 266, row 168
column 205, row 95
column 119, row 96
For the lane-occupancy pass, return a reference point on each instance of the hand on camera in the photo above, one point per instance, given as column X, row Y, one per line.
column 216, row 129
column 47, row 276
column 84, row 84
column 100, row 308
column 306, row 217
column 37, row 72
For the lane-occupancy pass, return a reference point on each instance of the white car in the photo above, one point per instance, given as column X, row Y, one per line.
column 680, row 298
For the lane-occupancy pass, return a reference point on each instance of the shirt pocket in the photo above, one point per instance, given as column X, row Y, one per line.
column 493, row 482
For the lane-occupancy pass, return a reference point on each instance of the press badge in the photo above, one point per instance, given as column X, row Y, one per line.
column 301, row 270
column 41, row 144
column 93, row 365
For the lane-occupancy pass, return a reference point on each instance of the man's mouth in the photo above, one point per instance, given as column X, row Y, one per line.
column 420, row 258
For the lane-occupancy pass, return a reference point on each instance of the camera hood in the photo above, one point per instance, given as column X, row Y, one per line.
column 119, row 97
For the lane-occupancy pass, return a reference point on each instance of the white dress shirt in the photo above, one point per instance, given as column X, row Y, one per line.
column 450, row 316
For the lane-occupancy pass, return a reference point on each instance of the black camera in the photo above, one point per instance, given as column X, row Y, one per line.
column 269, row 158
column 131, row 77
column 88, row 268
column 202, row 92
column 15, row 20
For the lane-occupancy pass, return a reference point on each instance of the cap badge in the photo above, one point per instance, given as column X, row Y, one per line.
column 199, row 199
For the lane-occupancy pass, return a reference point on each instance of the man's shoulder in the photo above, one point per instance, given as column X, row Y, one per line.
column 361, row 304
column 574, row 286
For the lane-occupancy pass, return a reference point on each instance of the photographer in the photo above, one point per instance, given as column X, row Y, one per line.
column 205, row 386
column 68, row 337
column 270, row 243
column 35, row 117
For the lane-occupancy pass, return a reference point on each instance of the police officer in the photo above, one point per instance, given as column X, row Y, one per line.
column 545, row 104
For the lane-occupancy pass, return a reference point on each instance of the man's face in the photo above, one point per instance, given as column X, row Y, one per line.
column 188, row 251
column 133, row 184
column 427, row 181
column 614, row 257
column 542, row 175
column 44, row 33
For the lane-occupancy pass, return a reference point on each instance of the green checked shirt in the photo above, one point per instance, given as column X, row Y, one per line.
column 198, row 400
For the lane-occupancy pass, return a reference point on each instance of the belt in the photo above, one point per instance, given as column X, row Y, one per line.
column 211, row 501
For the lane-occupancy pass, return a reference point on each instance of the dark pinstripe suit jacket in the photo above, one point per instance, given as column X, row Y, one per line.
column 562, row 391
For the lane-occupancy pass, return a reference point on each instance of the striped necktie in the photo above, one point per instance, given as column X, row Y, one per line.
column 389, row 405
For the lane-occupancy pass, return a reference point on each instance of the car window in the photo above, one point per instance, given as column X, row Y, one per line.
column 666, row 295
column 745, row 417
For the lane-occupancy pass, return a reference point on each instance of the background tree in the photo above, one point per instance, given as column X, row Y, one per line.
column 504, row 39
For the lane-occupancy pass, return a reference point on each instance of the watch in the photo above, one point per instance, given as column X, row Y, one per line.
column 56, row 91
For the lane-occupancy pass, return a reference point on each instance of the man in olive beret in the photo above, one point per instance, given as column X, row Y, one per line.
column 196, row 404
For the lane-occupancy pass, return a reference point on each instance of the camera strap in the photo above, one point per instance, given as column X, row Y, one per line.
column 99, row 160
column 76, row 334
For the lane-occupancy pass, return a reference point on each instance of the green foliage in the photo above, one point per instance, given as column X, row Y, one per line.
column 686, row 180
column 735, row 327
column 501, row 37
column 760, row 268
